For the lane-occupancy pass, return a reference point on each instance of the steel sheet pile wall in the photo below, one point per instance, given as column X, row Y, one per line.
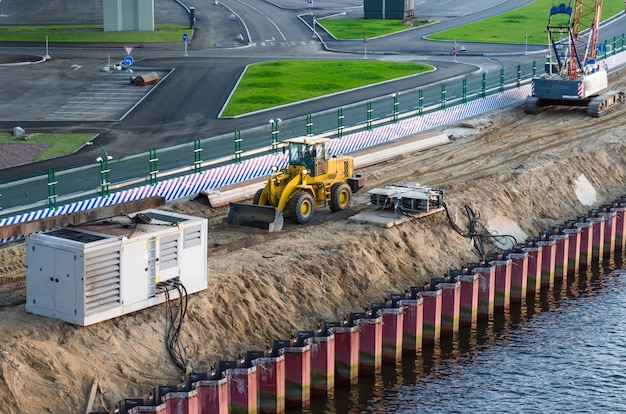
column 341, row 352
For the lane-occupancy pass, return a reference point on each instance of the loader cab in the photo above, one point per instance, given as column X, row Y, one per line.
column 312, row 154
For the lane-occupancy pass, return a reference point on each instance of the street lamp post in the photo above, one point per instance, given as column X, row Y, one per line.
column 104, row 169
column 501, row 73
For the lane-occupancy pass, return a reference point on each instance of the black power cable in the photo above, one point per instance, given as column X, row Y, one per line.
column 175, row 315
column 478, row 234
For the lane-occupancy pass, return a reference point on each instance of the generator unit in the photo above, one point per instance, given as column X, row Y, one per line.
column 107, row 268
column 408, row 197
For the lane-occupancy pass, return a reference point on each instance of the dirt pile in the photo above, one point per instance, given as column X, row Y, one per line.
column 522, row 174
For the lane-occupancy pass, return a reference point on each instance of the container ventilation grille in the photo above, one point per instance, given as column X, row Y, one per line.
column 102, row 280
column 192, row 236
column 169, row 252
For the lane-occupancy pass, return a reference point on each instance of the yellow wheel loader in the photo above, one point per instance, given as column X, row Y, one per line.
column 312, row 179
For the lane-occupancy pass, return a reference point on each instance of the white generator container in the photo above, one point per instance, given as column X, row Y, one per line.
column 104, row 269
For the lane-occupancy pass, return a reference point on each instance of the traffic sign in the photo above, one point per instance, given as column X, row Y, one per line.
column 128, row 49
column 128, row 60
column 185, row 37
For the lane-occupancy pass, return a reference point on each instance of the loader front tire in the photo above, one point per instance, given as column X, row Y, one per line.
column 340, row 195
column 301, row 207
column 257, row 196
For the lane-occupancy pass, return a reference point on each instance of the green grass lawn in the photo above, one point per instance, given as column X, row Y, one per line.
column 270, row 84
column 92, row 34
column 511, row 27
column 61, row 144
column 359, row 28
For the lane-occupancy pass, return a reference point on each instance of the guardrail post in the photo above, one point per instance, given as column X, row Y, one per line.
column 52, row 190
column 153, row 167
column 274, row 123
column 519, row 75
column 339, row 122
column 483, row 87
column 420, row 103
column 502, row 79
column 464, row 93
column 443, row 97
column 104, row 176
column 396, row 105
column 623, row 39
column 238, row 149
column 309, row 125
column 369, row 115
column 197, row 156
column 614, row 46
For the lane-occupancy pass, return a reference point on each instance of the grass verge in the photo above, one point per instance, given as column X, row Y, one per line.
column 163, row 33
column 61, row 144
column 512, row 26
column 270, row 84
column 359, row 28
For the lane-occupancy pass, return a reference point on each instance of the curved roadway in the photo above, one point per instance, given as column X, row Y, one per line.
column 186, row 104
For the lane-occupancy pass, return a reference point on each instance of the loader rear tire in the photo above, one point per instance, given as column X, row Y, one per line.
column 340, row 195
column 257, row 196
column 301, row 207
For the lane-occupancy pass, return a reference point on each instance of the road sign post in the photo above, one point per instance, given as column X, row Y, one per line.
column 185, row 39
column 365, row 46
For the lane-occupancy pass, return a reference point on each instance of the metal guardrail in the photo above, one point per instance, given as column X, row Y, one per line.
column 476, row 92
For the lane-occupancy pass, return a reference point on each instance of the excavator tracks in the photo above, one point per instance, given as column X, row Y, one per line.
column 603, row 104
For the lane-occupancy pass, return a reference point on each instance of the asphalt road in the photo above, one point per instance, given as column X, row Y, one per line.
column 186, row 104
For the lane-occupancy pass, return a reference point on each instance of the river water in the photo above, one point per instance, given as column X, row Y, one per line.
column 561, row 352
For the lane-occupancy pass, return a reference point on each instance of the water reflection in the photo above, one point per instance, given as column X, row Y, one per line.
column 561, row 350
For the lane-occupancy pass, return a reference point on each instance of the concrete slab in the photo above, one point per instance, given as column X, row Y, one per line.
column 388, row 218
column 380, row 218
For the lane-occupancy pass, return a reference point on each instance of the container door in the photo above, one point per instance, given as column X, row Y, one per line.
column 42, row 295
column 65, row 282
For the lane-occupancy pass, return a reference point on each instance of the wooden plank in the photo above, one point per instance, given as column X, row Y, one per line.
column 92, row 395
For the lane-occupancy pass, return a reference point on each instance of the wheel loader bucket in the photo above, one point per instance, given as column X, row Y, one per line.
column 262, row 217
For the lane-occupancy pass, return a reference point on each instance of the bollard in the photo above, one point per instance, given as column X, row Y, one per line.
column 450, row 304
column 431, row 332
column 548, row 261
column 393, row 322
column 297, row 373
column 212, row 395
column 502, row 298
column 413, row 324
column 242, row 389
column 535, row 258
column 610, row 228
column 270, row 371
column 322, row 360
column 597, row 230
column 586, row 240
column 468, row 314
column 575, row 236
column 519, row 274
column 182, row 402
column 370, row 344
column 486, row 288
column 146, row 409
column 619, row 206
column 346, row 354
column 561, row 251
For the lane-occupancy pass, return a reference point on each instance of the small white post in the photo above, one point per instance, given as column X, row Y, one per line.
column 47, row 55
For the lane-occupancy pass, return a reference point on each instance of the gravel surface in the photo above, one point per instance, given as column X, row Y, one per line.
column 12, row 155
